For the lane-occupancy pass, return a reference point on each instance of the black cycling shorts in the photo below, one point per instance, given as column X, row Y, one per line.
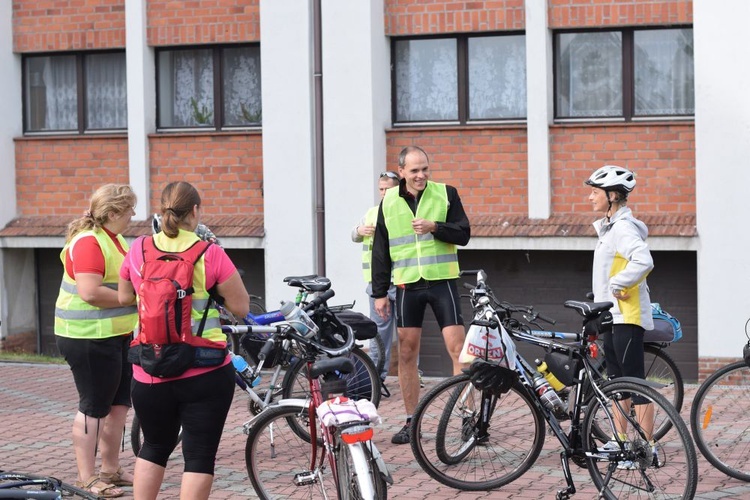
column 199, row 405
column 101, row 372
column 623, row 350
column 442, row 296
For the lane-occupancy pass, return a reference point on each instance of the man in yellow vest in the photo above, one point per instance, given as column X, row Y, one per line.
column 362, row 233
column 419, row 225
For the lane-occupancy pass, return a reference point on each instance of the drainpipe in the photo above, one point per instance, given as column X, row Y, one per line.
column 320, row 230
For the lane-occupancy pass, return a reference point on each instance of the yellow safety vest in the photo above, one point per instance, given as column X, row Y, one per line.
column 76, row 318
column 183, row 241
column 371, row 217
column 419, row 256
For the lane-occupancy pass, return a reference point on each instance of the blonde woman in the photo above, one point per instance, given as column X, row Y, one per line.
column 93, row 331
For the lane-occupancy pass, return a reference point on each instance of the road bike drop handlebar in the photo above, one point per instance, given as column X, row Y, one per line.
column 287, row 330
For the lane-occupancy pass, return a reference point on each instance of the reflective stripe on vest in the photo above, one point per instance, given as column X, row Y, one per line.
column 76, row 318
column 371, row 217
column 183, row 241
column 419, row 256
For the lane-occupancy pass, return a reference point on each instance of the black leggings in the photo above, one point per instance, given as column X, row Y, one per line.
column 623, row 349
column 197, row 404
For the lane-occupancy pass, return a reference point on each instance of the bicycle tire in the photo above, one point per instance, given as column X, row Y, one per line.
column 516, row 436
column 668, row 470
column 719, row 421
column 136, row 435
column 275, row 453
column 659, row 367
column 358, row 474
column 362, row 383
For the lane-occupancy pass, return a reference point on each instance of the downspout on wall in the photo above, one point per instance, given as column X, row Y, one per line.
column 320, row 230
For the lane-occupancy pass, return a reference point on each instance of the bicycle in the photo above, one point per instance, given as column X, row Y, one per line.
column 286, row 361
column 20, row 485
column 659, row 366
column 341, row 459
column 718, row 417
column 475, row 439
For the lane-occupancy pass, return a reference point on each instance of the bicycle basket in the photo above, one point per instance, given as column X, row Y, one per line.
column 563, row 366
column 252, row 343
column 666, row 327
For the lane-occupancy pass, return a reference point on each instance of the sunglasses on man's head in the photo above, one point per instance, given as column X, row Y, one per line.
column 390, row 175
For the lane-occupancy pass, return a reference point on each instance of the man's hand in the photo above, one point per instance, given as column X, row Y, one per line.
column 383, row 307
column 423, row 226
column 364, row 230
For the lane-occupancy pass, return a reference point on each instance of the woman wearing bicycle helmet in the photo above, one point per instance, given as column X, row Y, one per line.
column 622, row 261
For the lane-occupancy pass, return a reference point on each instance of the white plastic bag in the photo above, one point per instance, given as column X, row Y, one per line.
column 495, row 342
column 341, row 410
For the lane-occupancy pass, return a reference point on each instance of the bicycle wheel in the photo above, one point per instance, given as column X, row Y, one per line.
column 661, row 368
column 136, row 436
column 278, row 459
column 358, row 474
column 362, row 383
column 718, row 419
column 664, row 468
column 451, row 451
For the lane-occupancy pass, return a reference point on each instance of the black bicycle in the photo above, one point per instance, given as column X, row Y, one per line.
column 21, row 485
column 477, row 438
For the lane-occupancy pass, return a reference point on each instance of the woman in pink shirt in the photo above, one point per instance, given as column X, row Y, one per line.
column 197, row 401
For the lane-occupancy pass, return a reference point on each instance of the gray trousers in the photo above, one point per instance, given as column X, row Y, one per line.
column 386, row 329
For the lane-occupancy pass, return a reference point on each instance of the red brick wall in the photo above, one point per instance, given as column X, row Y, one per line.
column 176, row 22
column 595, row 13
column 416, row 17
column 488, row 165
column 57, row 176
column 706, row 366
column 226, row 169
column 662, row 156
column 51, row 25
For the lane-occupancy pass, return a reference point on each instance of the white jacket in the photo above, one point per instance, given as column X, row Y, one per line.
column 622, row 261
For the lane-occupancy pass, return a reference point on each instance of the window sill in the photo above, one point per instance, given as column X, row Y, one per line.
column 401, row 127
column 204, row 132
column 62, row 136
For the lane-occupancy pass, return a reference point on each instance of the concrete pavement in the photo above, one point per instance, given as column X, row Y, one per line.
column 38, row 402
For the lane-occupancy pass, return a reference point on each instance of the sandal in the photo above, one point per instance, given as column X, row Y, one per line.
column 115, row 478
column 97, row 487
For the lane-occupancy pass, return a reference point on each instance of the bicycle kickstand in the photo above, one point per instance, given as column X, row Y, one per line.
column 571, row 489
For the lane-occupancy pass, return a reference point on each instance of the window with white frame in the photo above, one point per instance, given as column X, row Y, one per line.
column 628, row 73
column 213, row 88
column 459, row 79
column 75, row 93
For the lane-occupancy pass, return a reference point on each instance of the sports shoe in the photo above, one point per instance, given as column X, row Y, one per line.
column 658, row 456
column 421, row 380
column 403, row 436
column 610, row 446
column 626, row 465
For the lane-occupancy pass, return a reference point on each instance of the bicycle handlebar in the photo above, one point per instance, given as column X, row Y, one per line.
column 319, row 300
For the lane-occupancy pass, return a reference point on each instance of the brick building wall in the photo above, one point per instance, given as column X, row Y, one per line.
column 53, row 25
column 227, row 169
column 488, row 165
column 56, row 176
column 173, row 22
column 661, row 154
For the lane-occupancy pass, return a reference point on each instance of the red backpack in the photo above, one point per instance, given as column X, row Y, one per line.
column 165, row 345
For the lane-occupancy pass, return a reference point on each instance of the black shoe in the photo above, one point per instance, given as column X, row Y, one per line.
column 403, row 436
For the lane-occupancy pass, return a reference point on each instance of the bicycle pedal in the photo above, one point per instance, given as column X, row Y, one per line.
column 304, row 478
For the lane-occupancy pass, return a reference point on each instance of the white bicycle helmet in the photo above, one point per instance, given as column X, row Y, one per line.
column 612, row 178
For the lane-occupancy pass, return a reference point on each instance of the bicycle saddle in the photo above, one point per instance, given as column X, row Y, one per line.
column 588, row 309
column 309, row 282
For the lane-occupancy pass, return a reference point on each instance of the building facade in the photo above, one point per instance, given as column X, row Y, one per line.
column 284, row 113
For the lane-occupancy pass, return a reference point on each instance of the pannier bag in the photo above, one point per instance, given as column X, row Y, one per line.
column 165, row 345
column 363, row 327
column 666, row 327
